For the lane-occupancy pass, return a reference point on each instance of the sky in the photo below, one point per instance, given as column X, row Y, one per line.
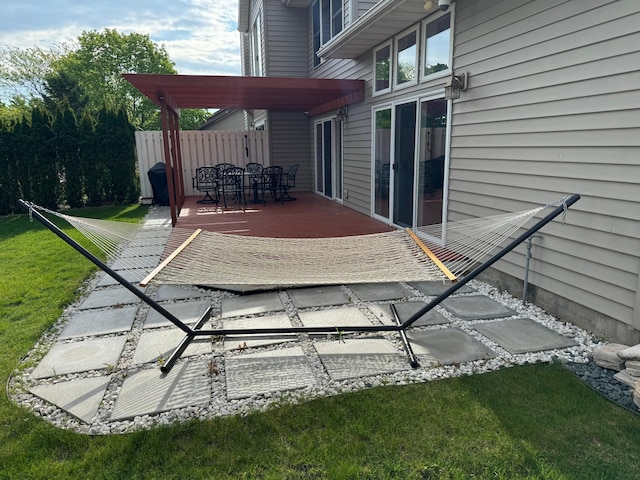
column 200, row 36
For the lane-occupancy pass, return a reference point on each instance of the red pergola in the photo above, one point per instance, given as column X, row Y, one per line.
column 276, row 94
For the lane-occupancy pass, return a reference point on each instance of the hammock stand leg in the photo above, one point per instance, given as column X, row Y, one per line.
column 461, row 282
column 186, row 341
column 413, row 360
column 104, row 267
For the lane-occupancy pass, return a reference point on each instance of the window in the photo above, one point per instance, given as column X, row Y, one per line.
column 315, row 14
column 382, row 61
column 327, row 22
column 336, row 17
column 256, row 48
column 437, row 45
column 406, row 71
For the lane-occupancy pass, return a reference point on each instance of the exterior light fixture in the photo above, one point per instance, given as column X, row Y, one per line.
column 455, row 84
column 428, row 5
column 341, row 114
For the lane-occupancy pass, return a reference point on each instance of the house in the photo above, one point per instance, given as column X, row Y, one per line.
column 225, row 119
column 473, row 108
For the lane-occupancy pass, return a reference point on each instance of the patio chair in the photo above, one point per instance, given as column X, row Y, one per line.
column 231, row 182
column 288, row 182
column 271, row 178
column 206, row 181
column 253, row 180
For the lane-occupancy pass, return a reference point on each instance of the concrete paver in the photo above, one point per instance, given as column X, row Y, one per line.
column 258, row 373
column 360, row 357
column 93, row 354
column 157, row 345
column 150, row 391
column 99, row 322
column 448, row 346
column 405, row 312
column 345, row 317
column 187, row 312
column 476, row 307
column 324, row 296
column 175, row 292
column 109, row 297
column 80, row 397
column 252, row 304
column 434, row 288
column 236, row 342
column 379, row 292
column 523, row 335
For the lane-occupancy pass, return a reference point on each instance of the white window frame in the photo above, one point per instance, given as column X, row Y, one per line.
column 330, row 33
column 414, row 29
column 388, row 43
column 423, row 43
column 256, row 47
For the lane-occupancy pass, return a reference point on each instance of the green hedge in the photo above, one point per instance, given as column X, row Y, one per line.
column 57, row 159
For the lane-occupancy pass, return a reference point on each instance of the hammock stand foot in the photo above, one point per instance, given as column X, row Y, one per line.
column 413, row 360
column 186, row 341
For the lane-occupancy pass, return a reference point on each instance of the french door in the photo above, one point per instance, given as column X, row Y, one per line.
column 409, row 171
column 328, row 155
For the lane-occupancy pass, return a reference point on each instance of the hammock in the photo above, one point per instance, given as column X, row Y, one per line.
column 238, row 262
column 460, row 243
column 241, row 263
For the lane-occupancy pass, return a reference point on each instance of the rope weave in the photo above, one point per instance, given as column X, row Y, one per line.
column 224, row 260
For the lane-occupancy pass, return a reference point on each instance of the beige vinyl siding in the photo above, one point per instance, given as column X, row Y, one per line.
column 291, row 143
column 554, row 107
column 285, row 40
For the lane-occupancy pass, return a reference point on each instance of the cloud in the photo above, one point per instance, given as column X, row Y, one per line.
column 200, row 36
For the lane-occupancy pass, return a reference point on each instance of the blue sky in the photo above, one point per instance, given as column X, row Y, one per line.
column 199, row 35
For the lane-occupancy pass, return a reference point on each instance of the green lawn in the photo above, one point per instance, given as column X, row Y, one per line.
column 535, row 421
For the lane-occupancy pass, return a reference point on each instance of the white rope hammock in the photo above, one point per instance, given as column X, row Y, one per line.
column 435, row 252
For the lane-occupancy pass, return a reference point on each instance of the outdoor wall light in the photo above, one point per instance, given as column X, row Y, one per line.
column 455, row 84
column 429, row 4
column 341, row 114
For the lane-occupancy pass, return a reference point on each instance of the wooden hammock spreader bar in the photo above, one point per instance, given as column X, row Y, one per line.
column 167, row 260
column 432, row 256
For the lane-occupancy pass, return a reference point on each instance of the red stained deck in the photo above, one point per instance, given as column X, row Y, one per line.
column 310, row 216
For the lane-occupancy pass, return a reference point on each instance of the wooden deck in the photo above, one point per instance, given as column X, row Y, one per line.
column 310, row 216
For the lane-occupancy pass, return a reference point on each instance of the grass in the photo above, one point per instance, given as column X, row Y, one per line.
column 534, row 421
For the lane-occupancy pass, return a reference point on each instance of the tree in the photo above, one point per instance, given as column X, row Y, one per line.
column 23, row 71
column 100, row 60
column 63, row 92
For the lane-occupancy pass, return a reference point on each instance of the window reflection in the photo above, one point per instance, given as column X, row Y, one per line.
column 406, row 59
column 437, row 42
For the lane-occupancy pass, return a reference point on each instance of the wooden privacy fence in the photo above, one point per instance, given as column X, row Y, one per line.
column 201, row 148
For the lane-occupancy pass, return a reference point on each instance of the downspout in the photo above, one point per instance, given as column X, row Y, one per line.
column 525, row 291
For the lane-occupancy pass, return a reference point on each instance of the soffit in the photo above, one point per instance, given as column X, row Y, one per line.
column 381, row 22
column 278, row 94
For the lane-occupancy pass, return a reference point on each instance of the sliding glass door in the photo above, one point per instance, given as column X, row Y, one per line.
column 409, row 151
column 328, row 155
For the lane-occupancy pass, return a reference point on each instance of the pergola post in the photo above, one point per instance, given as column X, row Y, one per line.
column 172, row 155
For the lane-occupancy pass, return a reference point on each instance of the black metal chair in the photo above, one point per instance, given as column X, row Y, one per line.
column 206, row 181
column 288, row 182
column 253, row 180
column 271, row 178
column 232, row 183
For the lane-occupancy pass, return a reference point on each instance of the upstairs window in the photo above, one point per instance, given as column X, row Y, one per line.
column 327, row 22
column 382, row 62
column 437, row 45
column 406, row 72
column 256, row 48
column 315, row 14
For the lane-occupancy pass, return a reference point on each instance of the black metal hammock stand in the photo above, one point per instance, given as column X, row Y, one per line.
column 196, row 331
